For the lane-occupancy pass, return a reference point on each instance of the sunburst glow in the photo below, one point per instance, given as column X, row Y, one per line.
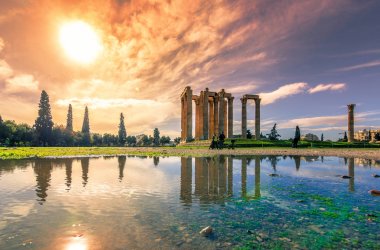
column 80, row 41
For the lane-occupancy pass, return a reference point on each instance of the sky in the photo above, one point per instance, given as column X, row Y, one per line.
column 307, row 59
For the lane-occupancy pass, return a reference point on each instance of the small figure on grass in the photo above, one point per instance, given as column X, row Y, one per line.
column 213, row 144
column 221, row 140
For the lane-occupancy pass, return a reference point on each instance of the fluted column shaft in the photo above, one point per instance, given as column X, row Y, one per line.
column 230, row 117
column 257, row 118
column 351, row 129
column 243, row 118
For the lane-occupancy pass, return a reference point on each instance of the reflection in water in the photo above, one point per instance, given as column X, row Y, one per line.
column 186, row 179
column 77, row 243
column 85, row 162
column 257, row 177
column 351, row 172
column 244, row 177
column 156, row 160
column 297, row 161
column 121, row 161
column 69, row 171
column 213, row 178
column 42, row 169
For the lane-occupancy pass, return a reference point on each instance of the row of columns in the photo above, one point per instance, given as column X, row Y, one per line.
column 213, row 114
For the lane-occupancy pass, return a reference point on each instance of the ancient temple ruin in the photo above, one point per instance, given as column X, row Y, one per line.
column 213, row 114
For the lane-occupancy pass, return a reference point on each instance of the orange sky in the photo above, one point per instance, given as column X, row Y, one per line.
column 151, row 51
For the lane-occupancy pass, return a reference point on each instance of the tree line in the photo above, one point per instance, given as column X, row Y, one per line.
column 45, row 133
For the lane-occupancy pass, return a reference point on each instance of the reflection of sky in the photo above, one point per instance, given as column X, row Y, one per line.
column 147, row 200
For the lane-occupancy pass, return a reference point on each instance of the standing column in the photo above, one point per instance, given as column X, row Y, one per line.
column 216, row 115
column 205, row 114
column 211, row 128
column 189, row 114
column 351, row 108
column 230, row 117
column 221, row 112
column 225, row 118
column 243, row 118
column 257, row 118
column 183, row 136
column 197, row 118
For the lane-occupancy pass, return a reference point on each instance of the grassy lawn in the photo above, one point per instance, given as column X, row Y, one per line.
column 182, row 150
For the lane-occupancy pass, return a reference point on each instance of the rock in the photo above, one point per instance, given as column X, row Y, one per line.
column 300, row 201
column 259, row 239
column 346, row 177
column 376, row 175
column 371, row 215
column 249, row 232
column 207, row 231
column 273, row 175
column 374, row 192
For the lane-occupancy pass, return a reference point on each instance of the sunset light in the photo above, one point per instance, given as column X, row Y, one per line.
column 80, row 41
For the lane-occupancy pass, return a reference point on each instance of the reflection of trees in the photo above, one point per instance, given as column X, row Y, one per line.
column 69, row 171
column 42, row 169
column 351, row 172
column 121, row 160
column 85, row 163
column 156, row 160
column 11, row 165
column 297, row 161
column 273, row 161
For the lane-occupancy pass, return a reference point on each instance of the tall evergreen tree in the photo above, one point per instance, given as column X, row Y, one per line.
column 369, row 135
column 322, row 137
column 86, row 140
column 122, row 131
column 1, row 120
column 297, row 137
column 273, row 135
column 345, row 136
column 44, row 122
column 156, row 137
column 69, row 122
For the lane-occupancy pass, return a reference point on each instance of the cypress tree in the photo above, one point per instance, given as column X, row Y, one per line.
column 345, row 136
column 86, row 129
column 156, row 137
column 69, row 122
column 322, row 137
column 1, row 120
column 44, row 122
column 122, row 131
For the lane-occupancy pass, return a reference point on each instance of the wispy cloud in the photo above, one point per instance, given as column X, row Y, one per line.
column 283, row 92
column 371, row 64
column 327, row 86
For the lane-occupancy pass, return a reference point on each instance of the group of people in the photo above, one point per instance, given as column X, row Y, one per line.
column 218, row 142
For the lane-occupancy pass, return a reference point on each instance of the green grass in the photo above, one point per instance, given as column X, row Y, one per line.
column 248, row 143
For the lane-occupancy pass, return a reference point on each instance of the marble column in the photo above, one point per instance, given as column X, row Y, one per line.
column 350, row 135
column 211, row 128
column 225, row 118
column 230, row 117
column 205, row 114
column 189, row 113
column 216, row 115
column 243, row 117
column 197, row 122
column 183, row 135
column 221, row 112
column 257, row 118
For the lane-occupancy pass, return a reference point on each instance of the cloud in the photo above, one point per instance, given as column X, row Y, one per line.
column 328, row 86
column 283, row 92
column 21, row 83
column 360, row 66
column 5, row 70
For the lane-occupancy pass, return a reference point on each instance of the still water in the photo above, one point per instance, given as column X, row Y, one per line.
column 163, row 203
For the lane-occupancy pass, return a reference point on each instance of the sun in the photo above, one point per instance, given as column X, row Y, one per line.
column 80, row 41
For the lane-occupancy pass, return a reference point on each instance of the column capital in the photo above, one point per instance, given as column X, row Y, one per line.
column 257, row 101
column 243, row 100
